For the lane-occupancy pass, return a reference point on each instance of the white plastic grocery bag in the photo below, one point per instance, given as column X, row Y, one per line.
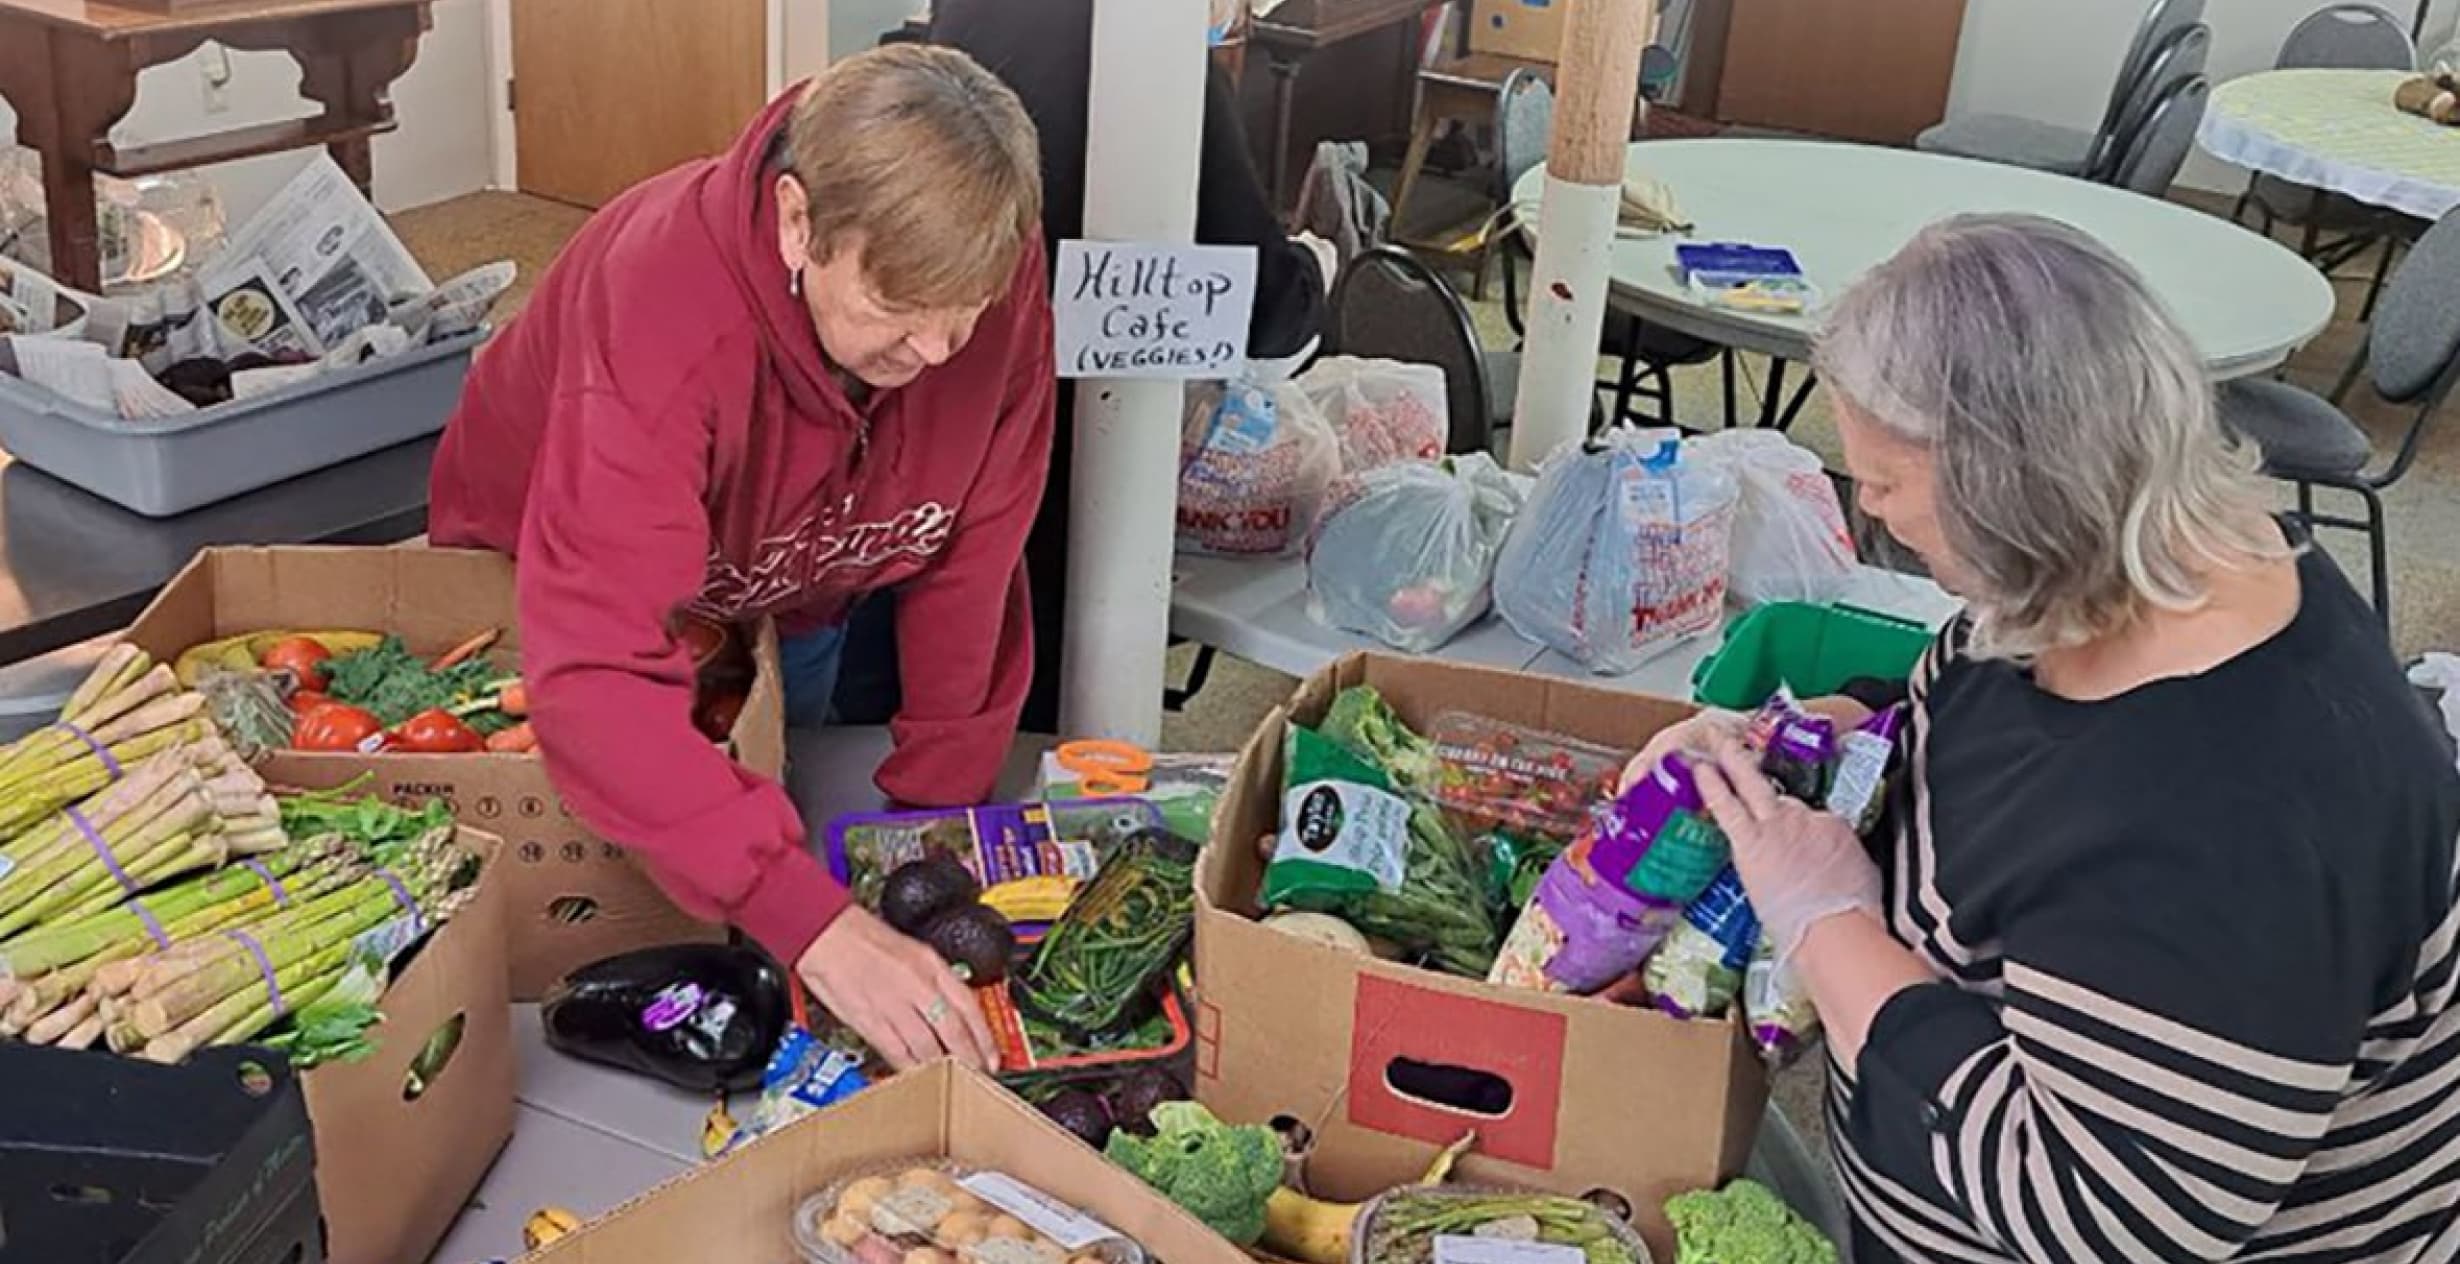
column 1382, row 410
column 1404, row 553
column 1254, row 460
column 1790, row 538
column 1623, row 546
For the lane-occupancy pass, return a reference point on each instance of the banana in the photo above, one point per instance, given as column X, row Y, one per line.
column 1313, row 1231
column 1040, row 899
column 241, row 653
column 545, row 1225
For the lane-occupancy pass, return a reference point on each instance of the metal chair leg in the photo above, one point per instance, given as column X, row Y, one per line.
column 1175, row 700
column 2383, row 277
column 2378, row 548
column 1802, row 396
column 2306, row 504
column 1776, row 391
column 1725, row 362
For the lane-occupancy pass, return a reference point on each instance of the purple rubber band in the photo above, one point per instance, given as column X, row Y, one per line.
column 281, row 897
column 153, row 924
column 101, row 752
column 101, row 849
column 401, row 893
column 264, row 966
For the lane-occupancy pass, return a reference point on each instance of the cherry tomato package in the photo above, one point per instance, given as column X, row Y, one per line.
column 1497, row 774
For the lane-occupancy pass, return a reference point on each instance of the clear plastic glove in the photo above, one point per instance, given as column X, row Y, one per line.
column 1700, row 735
column 1799, row 865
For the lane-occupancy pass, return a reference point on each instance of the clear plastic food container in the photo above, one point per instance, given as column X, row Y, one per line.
column 933, row 1211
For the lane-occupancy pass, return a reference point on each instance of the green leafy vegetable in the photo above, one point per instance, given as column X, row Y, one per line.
column 383, row 829
column 393, row 684
column 1361, row 720
column 1220, row 1173
column 1744, row 1223
column 337, row 1026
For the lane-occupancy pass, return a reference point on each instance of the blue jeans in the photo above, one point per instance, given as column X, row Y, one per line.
column 846, row 674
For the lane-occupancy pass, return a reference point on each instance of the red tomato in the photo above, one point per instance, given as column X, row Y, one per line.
column 338, row 726
column 436, row 731
column 307, row 700
column 301, row 656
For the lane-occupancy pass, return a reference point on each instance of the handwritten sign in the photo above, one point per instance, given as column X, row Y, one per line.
column 1125, row 309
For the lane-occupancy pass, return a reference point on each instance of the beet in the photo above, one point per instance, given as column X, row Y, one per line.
column 1081, row 1113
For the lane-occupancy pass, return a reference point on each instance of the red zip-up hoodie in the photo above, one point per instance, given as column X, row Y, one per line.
column 659, row 432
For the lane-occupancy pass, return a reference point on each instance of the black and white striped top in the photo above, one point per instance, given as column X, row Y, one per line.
column 2200, row 949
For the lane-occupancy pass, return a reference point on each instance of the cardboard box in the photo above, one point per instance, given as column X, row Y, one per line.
column 395, row 1160
column 1601, row 1096
column 1531, row 30
column 573, row 898
column 741, row 1207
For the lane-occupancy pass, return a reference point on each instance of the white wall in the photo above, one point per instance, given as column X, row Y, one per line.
column 2054, row 60
column 439, row 151
column 855, row 25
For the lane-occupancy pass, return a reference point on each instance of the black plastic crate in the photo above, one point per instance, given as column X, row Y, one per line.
column 108, row 1160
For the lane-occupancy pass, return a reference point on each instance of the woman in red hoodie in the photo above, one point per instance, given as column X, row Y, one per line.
column 815, row 367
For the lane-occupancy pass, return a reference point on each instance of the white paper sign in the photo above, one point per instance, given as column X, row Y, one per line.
column 1129, row 310
column 1465, row 1249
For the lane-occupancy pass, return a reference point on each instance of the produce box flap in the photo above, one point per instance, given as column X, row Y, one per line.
column 740, row 1207
column 405, row 1135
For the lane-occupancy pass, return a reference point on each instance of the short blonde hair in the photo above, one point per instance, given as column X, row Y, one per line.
column 2083, row 475
column 931, row 161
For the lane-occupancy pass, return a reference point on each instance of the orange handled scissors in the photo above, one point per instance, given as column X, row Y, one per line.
column 1107, row 769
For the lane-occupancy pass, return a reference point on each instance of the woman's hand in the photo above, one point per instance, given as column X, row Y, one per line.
column 1800, row 865
column 895, row 993
column 1700, row 735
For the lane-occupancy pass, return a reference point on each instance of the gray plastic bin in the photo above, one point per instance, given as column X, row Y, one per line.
column 163, row 468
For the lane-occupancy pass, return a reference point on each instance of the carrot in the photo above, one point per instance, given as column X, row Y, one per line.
column 517, row 740
column 468, row 649
column 515, row 700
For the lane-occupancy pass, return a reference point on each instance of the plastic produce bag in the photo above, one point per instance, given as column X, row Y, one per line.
column 1254, row 460
column 1623, row 546
column 1383, row 411
column 1405, row 553
column 1790, row 538
column 701, row 1017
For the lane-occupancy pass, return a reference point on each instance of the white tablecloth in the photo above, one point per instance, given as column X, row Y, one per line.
column 2337, row 130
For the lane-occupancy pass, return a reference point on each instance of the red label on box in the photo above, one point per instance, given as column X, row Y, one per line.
column 1435, row 1041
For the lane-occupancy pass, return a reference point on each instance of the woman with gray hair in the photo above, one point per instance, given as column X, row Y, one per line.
column 2155, row 958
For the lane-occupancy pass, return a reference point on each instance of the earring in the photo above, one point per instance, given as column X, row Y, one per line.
column 794, row 282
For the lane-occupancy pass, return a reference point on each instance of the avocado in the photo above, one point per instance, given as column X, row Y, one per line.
column 920, row 890
column 974, row 939
column 1143, row 1090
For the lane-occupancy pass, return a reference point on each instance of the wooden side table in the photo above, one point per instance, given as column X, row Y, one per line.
column 69, row 68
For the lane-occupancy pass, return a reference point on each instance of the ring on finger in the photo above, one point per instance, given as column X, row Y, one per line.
column 937, row 1011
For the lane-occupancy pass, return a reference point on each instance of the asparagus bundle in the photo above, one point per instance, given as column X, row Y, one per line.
column 230, row 987
column 187, row 808
column 129, row 709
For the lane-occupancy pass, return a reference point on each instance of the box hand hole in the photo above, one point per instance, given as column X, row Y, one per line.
column 433, row 1058
column 572, row 910
column 81, row 1195
column 1462, row 1089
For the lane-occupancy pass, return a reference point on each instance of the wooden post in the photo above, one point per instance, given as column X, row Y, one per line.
column 1141, row 149
column 1597, row 82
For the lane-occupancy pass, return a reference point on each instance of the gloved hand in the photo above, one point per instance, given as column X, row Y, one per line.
column 1799, row 865
column 1698, row 736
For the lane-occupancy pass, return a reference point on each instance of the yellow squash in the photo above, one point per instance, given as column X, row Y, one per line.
column 1040, row 899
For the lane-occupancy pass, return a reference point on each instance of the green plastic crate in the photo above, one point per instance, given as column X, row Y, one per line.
column 1814, row 649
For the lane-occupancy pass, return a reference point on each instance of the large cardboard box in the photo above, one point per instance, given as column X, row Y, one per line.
column 1578, row 1095
column 573, row 898
column 740, row 1207
column 1530, row 30
column 398, row 1153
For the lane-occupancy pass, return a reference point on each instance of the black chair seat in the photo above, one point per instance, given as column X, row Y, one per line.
column 2300, row 433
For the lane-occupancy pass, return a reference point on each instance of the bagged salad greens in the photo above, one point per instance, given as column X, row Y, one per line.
column 1698, row 971
column 1361, row 840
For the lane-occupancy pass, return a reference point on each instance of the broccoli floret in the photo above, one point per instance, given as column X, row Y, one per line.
column 1744, row 1223
column 1361, row 720
column 1221, row 1174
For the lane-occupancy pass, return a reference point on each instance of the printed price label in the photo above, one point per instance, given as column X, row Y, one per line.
column 1073, row 1230
column 1459, row 1249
